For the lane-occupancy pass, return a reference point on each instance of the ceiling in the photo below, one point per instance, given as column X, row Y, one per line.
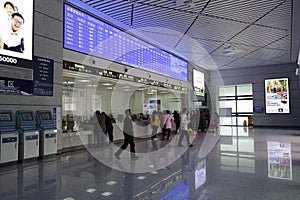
column 214, row 34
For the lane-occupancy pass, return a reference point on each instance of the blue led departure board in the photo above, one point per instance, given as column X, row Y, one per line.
column 89, row 35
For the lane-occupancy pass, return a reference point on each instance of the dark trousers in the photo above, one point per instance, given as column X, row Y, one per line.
column 154, row 131
column 110, row 135
column 128, row 139
column 164, row 132
column 182, row 134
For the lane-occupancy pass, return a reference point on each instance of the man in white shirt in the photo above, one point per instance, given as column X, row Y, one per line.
column 183, row 129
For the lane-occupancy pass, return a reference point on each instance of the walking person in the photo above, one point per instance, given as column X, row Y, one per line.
column 99, row 133
column 109, row 127
column 176, row 120
column 128, row 136
column 167, row 125
column 154, row 124
column 183, row 129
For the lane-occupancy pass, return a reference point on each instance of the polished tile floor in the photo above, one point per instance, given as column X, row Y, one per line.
column 235, row 163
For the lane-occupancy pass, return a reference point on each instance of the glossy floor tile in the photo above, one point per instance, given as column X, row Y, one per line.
column 235, row 163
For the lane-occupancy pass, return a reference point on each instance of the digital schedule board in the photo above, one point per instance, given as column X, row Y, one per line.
column 277, row 95
column 16, row 19
column 89, row 35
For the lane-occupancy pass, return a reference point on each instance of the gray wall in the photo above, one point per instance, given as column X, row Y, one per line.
column 257, row 76
column 48, row 43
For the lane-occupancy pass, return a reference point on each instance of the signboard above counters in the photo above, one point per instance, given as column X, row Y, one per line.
column 71, row 66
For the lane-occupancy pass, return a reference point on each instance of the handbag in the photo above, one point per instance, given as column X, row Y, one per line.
column 165, row 126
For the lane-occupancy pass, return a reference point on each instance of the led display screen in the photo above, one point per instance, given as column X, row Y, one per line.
column 5, row 117
column 277, row 95
column 16, row 19
column 89, row 35
column 198, row 82
column 45, row 116
column 27, row 116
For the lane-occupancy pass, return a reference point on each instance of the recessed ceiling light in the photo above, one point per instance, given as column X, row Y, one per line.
column 84, row 81
column 107, row 84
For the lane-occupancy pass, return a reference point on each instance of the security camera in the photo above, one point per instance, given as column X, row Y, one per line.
column 125, row 69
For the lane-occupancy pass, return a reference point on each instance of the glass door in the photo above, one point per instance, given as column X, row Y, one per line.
column 237, row 100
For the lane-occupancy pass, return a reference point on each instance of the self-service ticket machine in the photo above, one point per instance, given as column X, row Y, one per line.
column 48, row 133
column 9, row 137
column 28, row 135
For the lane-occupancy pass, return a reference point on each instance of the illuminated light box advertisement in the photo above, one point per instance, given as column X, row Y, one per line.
column 279, row 160
column 16, row 19
column 277, row 95
column 198, row 83
column 86, row 34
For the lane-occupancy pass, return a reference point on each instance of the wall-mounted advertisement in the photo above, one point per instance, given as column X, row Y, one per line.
column 16, row 19
column 279, row 160
column 277, row 95
column 198, row 83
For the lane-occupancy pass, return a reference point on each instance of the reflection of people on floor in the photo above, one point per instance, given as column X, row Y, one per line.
column 128, row 185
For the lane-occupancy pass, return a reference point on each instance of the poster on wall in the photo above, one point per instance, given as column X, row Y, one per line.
column 16, row 19
column 279, row 160
column 16, row 86
column 198, row 83
column 277, row 95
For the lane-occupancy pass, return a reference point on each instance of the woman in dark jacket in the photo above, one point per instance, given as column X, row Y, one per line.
column 109, row 127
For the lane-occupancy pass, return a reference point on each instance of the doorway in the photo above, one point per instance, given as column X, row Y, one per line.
column 239, row 100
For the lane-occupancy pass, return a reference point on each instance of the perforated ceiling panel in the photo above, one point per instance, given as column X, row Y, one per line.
column 214, row 34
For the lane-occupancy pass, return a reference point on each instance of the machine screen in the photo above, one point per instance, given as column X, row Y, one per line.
column 27, row 116
column 45, row 116
column 5, row 117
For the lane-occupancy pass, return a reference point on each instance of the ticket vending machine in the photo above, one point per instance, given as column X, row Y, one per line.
column 9, row 137
column 48, row 133
column 28, row 135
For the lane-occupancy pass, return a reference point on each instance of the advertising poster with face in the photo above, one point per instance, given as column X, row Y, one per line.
column 16, row 19
column 277, row 95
